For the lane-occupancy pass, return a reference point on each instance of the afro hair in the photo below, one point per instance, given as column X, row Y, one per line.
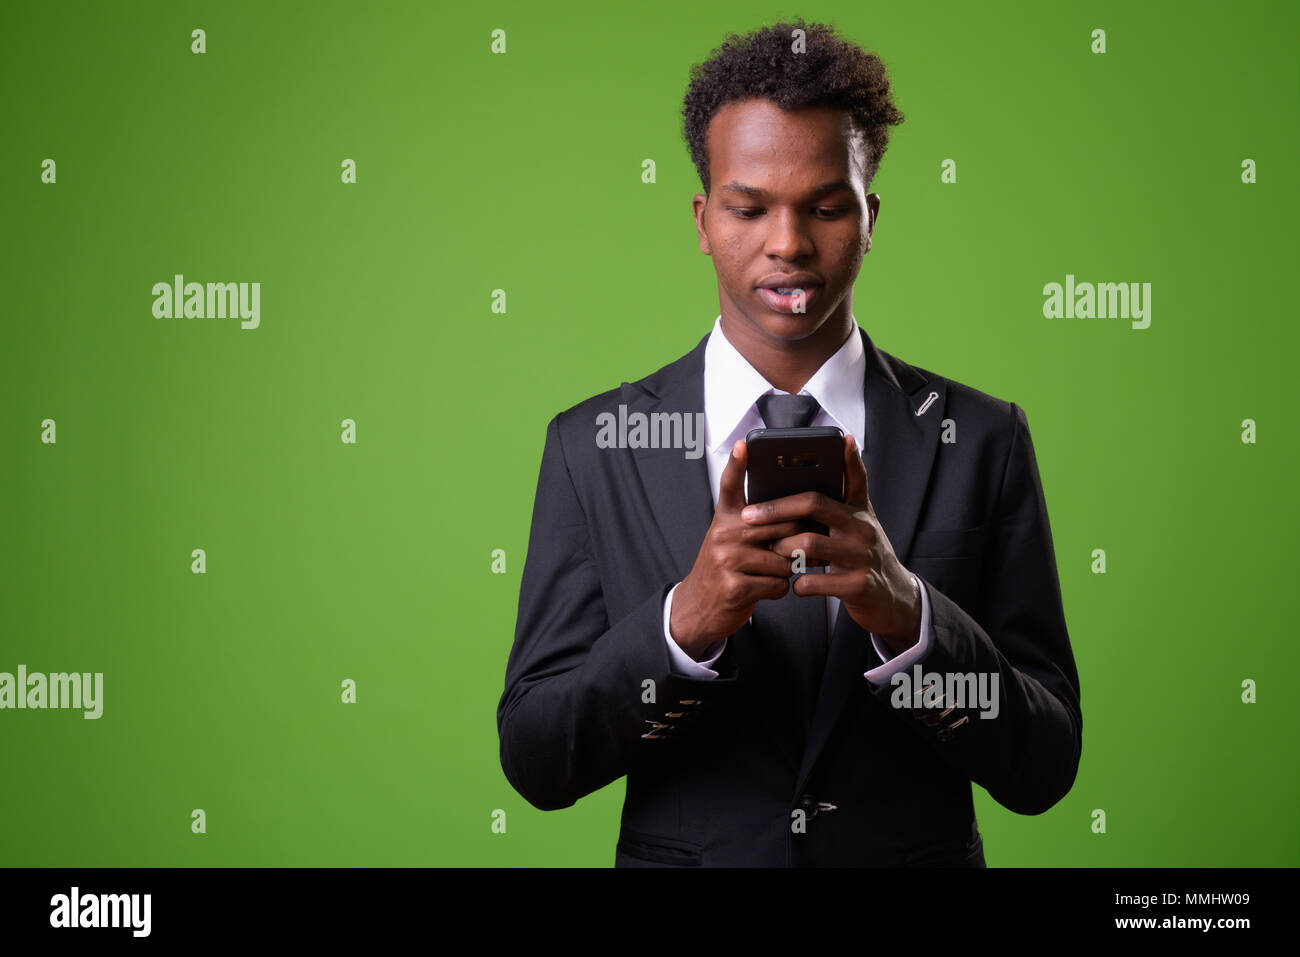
column 830, row 71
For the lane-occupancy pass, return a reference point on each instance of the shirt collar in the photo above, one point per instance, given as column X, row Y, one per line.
column 731, row 386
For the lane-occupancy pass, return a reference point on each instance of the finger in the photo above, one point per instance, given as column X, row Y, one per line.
column 837, row 584
column 855, row 476
column 812, row 505
column 769, row 587
column 731, row 487
column 793, row 550
column 775, row 589
column 819, row 548
column 758, row 561
column 759, row 535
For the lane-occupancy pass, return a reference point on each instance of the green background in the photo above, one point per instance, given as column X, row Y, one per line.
column 522, row 172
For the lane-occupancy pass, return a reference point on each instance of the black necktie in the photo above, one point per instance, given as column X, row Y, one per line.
column 793, row 628
column 787, row 411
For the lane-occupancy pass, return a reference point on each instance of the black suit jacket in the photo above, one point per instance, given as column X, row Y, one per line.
column 716, row 772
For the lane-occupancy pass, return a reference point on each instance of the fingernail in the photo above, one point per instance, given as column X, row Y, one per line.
column 749, row 513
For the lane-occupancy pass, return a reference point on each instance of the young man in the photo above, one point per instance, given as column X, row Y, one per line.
column 841, row 719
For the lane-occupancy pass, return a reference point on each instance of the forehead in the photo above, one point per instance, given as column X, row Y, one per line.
column 755, row 140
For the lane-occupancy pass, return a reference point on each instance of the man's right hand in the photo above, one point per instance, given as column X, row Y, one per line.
column 734, row 570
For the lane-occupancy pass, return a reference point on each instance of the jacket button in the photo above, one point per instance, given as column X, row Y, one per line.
column 946, row 734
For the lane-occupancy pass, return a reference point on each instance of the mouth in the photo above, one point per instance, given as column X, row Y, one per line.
column 790, row 300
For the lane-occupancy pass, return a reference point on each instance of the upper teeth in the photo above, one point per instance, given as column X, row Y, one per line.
column 788, row 289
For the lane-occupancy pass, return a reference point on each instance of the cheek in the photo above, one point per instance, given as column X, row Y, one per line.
column 854, row 244
column 848, row 254
column 730, row 254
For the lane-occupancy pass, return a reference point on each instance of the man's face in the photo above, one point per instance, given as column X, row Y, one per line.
column 788, row 196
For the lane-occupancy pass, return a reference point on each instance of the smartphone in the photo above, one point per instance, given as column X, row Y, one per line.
column 789, row 461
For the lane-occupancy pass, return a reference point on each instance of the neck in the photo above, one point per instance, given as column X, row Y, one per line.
column 788, row 365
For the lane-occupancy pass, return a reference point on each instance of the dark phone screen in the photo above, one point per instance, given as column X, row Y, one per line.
column 789, row 461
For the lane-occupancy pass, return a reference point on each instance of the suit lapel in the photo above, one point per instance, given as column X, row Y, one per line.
column 677, row 488
column 899, row 444
column 899, row 449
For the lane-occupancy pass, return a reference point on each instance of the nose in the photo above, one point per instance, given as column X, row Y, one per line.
column 788, row 236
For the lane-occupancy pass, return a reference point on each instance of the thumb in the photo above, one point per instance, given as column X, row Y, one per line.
column 855, row 475
column 731, row 486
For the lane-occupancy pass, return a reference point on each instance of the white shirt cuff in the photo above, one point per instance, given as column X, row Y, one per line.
column 880, row 675
column 683, row 663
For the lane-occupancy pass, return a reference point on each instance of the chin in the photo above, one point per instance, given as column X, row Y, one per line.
column 789, row 328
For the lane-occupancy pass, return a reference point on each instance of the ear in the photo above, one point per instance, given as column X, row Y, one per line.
column 699, row 204
column 873, row 211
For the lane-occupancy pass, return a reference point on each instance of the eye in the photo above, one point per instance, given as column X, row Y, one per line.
column 751, row 212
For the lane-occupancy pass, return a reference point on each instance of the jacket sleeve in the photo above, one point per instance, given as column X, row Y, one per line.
column 1028, row 755
column 585, row 699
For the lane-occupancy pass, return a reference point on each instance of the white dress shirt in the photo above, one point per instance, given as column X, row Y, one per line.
column 731, row 388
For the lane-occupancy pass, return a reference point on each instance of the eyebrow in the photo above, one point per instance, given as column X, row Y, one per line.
column 832, row 187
